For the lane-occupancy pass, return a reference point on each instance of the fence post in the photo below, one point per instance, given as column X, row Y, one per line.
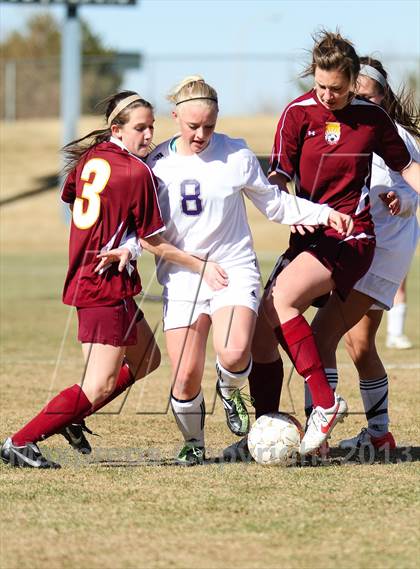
column 10, row 90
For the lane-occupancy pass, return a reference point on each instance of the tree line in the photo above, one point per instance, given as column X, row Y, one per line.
column 31, row 59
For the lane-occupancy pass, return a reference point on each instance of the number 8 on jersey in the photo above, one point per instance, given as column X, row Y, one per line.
column 191, row 203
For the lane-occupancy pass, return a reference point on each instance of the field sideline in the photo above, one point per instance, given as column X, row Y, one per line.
column 127, row 505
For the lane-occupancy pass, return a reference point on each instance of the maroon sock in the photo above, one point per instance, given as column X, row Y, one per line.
column 124, row 380
column 305, row 356
column 280, row 338
column 265, row 383
column 59, row 412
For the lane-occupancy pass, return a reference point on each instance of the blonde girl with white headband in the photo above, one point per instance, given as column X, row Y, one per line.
column 393, row 207
column 204, row 177
column 112, row 193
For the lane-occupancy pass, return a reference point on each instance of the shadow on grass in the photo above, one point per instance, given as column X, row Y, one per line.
column 42, row 184
column 366, row 455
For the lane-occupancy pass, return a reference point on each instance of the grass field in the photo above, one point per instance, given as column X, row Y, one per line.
column 127, row 505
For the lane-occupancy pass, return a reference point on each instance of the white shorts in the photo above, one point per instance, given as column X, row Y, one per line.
column 379, row 288
column 243, row 290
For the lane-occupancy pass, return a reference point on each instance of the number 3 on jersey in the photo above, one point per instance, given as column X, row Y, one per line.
column 191, row 203
column 85, row 217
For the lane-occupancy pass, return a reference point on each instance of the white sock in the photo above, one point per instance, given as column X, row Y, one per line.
column 190, row 416
column 396, row 319
column 229, row 381
column 332, row 377
column 375, row 401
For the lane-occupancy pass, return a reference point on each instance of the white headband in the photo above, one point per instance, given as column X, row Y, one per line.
column 373, row 73
column 121, row 105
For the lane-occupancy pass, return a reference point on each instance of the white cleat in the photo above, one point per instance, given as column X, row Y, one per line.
column 398, row 342
column 320, row 424
column 364, row 438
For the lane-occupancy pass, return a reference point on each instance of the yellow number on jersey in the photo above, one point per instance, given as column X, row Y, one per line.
column 91, row 190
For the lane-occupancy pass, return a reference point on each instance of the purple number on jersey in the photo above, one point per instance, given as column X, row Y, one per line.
column 191, row 203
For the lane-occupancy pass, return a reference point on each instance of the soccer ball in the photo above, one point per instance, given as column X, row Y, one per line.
column 275, row 439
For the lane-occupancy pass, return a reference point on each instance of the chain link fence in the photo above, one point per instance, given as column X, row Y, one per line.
column 247, row 84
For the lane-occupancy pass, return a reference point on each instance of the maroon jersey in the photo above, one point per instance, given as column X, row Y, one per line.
column 112, row 192
column 329, row 154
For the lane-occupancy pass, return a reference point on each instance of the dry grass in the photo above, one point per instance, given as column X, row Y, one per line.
column 127, row 505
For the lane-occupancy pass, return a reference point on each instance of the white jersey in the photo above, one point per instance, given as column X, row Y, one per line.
column 396, row 236
column 202, row 202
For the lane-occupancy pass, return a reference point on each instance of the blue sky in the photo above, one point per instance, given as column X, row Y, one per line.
column 204, row 28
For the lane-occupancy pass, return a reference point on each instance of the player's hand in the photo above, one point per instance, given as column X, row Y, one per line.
column 341, row 222
column 122, row 256
column 392, row 201
column 303, row 229
column 215, row 276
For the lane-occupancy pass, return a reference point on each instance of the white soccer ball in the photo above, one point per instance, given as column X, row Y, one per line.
column 275, row 439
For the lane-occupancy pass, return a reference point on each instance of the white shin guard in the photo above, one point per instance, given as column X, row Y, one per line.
column 190, row 417
column 229, row 381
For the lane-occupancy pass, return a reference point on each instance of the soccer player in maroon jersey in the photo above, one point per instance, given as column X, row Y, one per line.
column 324, row 143
column 111, row 192
column 393, row 208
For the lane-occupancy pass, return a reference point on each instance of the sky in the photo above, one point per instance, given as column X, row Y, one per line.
column 209, row 37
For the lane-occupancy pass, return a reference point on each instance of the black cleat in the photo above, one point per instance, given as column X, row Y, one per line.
column 237, row 417
column 238, row 452
column 74, row 434
column 190, row 455
column 28, row 456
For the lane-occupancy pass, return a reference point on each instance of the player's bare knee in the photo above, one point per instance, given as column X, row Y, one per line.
column 235, row 359
column 361, row 354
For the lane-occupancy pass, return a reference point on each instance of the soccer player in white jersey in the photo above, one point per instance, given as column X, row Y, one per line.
column 203, row 178
column 393, row 208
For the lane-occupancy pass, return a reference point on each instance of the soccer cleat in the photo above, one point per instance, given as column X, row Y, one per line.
column 27, row 456
column 321, row 423
column 323, row 452
column 237, row 417
column 238, row 452
column 398, row 342
column 190, row 454
column 74, row 434
column 364, row 438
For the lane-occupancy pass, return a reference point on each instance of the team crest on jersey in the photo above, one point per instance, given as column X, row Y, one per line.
column 332, row 132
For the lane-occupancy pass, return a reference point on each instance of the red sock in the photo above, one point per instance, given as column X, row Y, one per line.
column 59, row 412
column 265, row 383
column 124, row 380
column 305, row 356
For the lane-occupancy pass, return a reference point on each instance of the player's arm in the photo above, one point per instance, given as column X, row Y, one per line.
column 411, row 175
column 396, row 150
column 279, row 180
column 129, row 250
column 213, row 274
column 282, row 207
column 284, row 183
column 283, row 163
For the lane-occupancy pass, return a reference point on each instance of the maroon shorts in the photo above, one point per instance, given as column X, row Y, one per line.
column 348, row 260
column 114, row 325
